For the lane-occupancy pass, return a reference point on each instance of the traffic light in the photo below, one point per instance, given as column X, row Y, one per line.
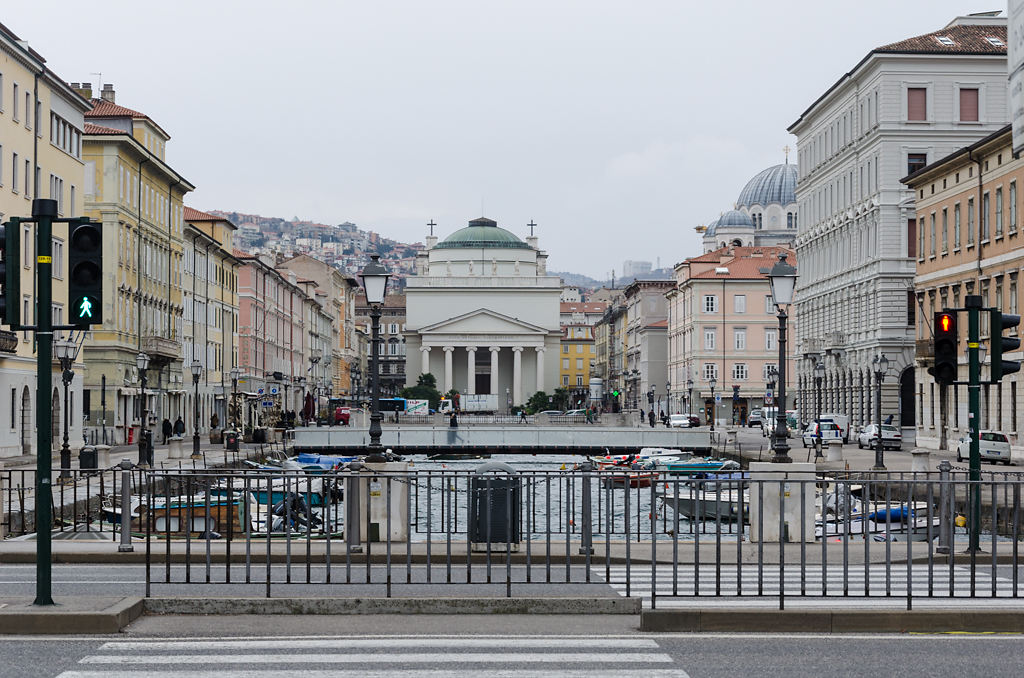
column 946, row 342
column 735, row 392
column 615, row 393
column 10, row 272
column 85, row 272
column 1000, row 344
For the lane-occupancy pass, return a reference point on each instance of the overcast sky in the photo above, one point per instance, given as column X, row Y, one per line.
column 616, row 126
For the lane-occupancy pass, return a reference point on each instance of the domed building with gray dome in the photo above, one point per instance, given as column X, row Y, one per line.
column 482, row 314
column 765, row 213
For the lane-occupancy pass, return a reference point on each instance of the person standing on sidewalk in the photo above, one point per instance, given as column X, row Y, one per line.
column 166, row 429
column 179, row 426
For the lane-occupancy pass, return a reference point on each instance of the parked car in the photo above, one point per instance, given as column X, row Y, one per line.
column 993, row 446
column 754, row 418
column 551, row 412
column 891, row 437
column 829, row 431
column 770, row 418
column 580, row 412
column 679, row 421
column 840, row 420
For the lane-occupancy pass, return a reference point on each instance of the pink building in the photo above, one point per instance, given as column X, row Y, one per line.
column 722, row 324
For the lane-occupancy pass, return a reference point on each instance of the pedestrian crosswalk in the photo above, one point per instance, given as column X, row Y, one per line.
column 812, row 580
column 381, row 657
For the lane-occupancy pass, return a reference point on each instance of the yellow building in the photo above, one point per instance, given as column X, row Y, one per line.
column 42, row 122
column 131, row 189
column 210, row 319
column 577, row 357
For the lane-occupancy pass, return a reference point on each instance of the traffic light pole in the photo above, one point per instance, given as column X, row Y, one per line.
column 973, row 304
column 43, row 212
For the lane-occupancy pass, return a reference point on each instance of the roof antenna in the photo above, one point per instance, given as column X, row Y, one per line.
column 99, row 86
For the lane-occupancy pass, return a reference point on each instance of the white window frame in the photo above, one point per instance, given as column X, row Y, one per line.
column 739, row 303
column 771, row 339
column 740, row 372
column 710, row 371
column 739, row 338
column 710, row 304
column 710, row 338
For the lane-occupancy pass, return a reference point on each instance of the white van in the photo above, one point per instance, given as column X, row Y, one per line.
column 840, row 420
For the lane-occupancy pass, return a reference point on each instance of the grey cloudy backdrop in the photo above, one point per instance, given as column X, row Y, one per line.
column 617, row 126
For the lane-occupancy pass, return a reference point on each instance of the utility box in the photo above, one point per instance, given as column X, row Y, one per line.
column 384, row 489
column 495, row 497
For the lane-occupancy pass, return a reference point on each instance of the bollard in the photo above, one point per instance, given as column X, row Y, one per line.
column 945, row 532
column 352, row 522
column 587, row 533
column 126, row 507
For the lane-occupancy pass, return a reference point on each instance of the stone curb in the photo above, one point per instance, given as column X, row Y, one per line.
column 358, row 606
column 832, row 621
column 55, row 619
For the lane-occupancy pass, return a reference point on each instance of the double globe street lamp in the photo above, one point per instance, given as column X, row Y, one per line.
column 880, row 365
column 66, row 351
column 197, row 372
column 782, row 279
column 375, row 283
column 145, row 453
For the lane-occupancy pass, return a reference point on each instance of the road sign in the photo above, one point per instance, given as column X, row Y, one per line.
column 259, row 391
column 718, row 398
column 768, row 394
column 273, row 390
column 268, row 403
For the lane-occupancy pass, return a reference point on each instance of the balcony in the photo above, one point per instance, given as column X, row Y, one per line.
column 835, row 339
column 8, row 341
column 161, row 349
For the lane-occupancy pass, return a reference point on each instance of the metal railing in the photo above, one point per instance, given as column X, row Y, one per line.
column 645, row 533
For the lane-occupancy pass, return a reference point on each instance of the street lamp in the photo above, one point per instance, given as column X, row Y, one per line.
column 881, row 366
column 235, row 374
column 689, row 396
column 782, row 279
column 142, row 362
column 66, row 351
column 714, row 408
column 819, row 374
column 668, row 397
column 197, row 371
column 302, row 408
column 375, row 283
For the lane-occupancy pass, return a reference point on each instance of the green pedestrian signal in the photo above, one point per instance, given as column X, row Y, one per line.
column 85, row 271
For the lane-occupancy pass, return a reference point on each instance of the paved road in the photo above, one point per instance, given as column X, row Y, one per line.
column 579, row 650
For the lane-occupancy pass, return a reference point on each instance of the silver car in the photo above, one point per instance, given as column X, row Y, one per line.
column 993, row 446
column 891, row 437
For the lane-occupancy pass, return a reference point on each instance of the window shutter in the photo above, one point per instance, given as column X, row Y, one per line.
column 917, row 108
column 969, row 105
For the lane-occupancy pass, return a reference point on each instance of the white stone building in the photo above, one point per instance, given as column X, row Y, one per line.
column 482, row 314
column 901, row 107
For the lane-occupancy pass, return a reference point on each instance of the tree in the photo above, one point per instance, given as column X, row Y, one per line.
column 538, row 402
column 425, row 389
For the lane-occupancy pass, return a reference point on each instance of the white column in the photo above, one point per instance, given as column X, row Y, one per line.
column 424, row 359
column 540, row 367
column 494, row 369
column 517, row 375
column 448, row 385
column 471, row 369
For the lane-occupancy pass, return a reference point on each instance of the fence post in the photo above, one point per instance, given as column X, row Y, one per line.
column 945, row 531
column 352, row 523
column 126, row 507
column 587, row 533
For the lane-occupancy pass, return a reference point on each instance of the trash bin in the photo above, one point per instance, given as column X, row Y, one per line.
column 259, row 435
column 87, row 458
column 495, row 495
column 231, row 440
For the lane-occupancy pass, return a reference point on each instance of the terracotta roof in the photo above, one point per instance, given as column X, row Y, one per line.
column 101, row 108
column 90, row 128
column 970, row 39
column 660, row 323
column 744, row 263
column 192, row 214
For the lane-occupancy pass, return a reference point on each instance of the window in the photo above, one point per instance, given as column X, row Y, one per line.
column 14, row 408
column 969, row 105
column 58, row 258
column 970, row 221
column 986, row 206
column 579, row 380
column 15, row 106
column 945, row 40
column 1013, row 296
column 565, row 349
column 913, row 249
column 769, row 304
column 916, row 161
column 945, row 230
column 956, row 226
column 579, row 348
column 739, row 303
column 917, row 103
column 565, row 363
column 710, row 303
column 920, row 242
column 994, row 41
column 911, row 309
column 999, row 212
column 579, row 363
column 771, row 339
column 565, row 380
column 1013, row 207
column 710, row 371
column 14, row 172
column 739, row 338
column 739, row 372
column 710, row 334
column 931, row 236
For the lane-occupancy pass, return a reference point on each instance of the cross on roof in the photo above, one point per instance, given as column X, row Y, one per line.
column 786, row 149
column 531, row 225
column 431, row 224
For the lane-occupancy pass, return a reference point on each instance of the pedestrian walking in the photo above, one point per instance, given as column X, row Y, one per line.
column 522, row 417
column 166, row 429
column 650, row 417
column 453, row 422
column 643, row 419
column 179, row 426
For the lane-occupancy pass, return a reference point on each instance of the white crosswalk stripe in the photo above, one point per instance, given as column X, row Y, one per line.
column 812, row 581
column 381, row 657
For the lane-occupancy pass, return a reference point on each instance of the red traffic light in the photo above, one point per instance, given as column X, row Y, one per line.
column 946, row 323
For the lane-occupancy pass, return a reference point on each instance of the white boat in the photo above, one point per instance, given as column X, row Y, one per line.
column 713, row 502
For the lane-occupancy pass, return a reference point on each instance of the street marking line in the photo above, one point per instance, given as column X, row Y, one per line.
column 360, row 643
column 376, row 658
column 396, row 673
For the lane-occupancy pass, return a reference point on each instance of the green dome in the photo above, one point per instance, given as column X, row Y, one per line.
column 482, row 232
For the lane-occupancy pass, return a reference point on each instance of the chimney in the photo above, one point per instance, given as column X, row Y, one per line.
column 108, row 93
column 84, row 89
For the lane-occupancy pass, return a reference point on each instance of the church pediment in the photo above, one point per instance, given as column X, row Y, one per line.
column 484, row 322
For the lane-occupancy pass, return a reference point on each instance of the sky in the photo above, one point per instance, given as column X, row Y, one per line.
column 617, row 127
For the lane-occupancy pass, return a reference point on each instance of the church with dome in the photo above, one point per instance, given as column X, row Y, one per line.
column 482, row 314
column 765, row 213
